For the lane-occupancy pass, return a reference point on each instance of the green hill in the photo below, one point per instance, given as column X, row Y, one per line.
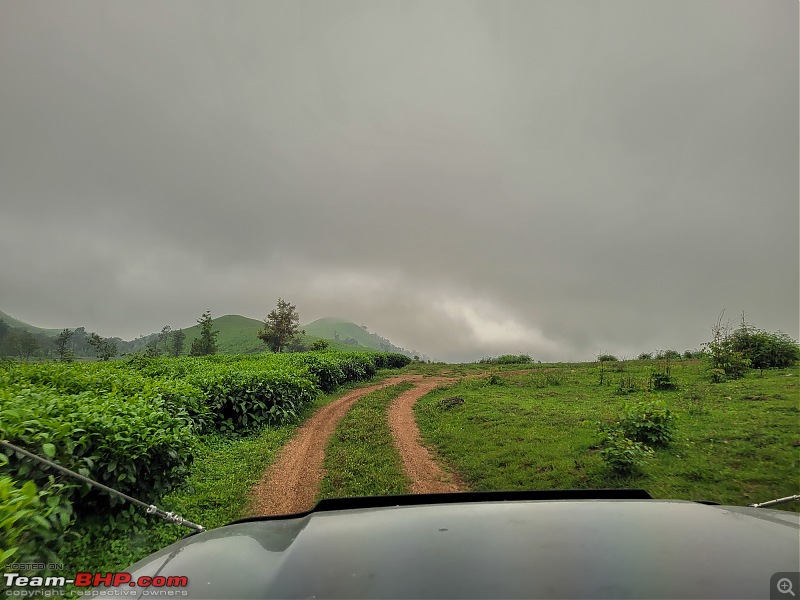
column 17, row 324
column 333, row 328
column 239, row 335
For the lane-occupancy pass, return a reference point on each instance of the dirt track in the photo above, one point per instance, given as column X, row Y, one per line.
column 292, row 482
column 427, row 477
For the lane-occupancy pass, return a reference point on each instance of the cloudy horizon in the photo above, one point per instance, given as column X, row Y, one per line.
column 468, row 178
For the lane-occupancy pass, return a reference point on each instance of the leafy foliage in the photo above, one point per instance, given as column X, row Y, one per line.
column 763, row 349
column 726, row 362
column 508, row 359
column 105, row 348
column 280, row 326
column 623, row 455
column 32, row 522
column 207, row 342
column 651, row 423
column 607, row 358
column 320, row 344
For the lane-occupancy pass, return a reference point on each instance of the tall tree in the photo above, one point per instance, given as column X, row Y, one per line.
column 207, row 342
column 178, row 341
column 163, row 337
column 104, row 348
column 62, row 339
column 281, row 326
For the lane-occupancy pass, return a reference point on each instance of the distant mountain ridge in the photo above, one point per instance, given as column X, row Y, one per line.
column 239, row 335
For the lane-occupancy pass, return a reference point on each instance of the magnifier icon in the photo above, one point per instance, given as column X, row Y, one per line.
column 784, row 586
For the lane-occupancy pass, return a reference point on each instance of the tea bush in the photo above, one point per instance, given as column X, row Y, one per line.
column 32, row 522
column 133, row 443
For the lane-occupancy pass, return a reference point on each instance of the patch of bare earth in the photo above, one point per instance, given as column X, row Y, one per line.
column 292, row 483
column 426, row 475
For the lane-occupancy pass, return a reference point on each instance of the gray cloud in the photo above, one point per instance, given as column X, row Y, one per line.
column 466, row 178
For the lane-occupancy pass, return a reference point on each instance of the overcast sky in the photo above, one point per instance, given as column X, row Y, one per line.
column 465, row 178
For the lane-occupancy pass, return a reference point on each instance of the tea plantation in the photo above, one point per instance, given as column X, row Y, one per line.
column 136, row 426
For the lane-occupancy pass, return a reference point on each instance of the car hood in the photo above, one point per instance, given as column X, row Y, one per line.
column 499, row 549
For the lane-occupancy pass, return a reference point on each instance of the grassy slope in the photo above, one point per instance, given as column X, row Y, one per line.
column 26, row 326
column 735, row 442
column 325, row 328
column 238, row 335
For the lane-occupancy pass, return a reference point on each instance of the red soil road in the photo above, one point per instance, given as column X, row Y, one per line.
column 292, row 483
column 426, row 476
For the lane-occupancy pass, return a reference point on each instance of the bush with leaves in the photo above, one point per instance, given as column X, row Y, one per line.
column 651, row 423
column 33, row 522
column 319, row 345
column 508, row 359
column 133, row 443
column 623, row 455
column 763, row 349
column 607, row 358
column 645, row 356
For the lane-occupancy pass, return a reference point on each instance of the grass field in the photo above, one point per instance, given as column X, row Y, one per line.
column 735, row 442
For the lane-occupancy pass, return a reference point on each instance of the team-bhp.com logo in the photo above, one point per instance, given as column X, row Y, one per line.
column 92, row 580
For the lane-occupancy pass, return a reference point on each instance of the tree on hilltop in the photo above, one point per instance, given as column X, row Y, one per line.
column 281, row 326
column 207, row 342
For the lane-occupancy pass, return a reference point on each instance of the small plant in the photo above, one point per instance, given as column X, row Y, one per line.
column 493, row 380
column 726, row 362
column 661, row 378
column 645, row 356
column 607, row 358
column 623, row 455
column 319, row 345
column 554, row 378
column 448, row 403
column 651, row 423
column 626, row 386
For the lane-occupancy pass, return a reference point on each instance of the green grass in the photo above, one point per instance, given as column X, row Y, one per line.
column 735, row 443
column 361, row 458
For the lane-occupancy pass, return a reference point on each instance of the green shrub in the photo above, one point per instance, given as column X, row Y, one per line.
column 242, row 397
column 177, row 395
column 33, row 523
column 623, row 455
column 133, row 443
column 493, row 380
column 607, row 358
column 661, row 378
column 651, row 423
column 763, row 349
column 320, row 345
column 645, row 356
column 507, row 359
